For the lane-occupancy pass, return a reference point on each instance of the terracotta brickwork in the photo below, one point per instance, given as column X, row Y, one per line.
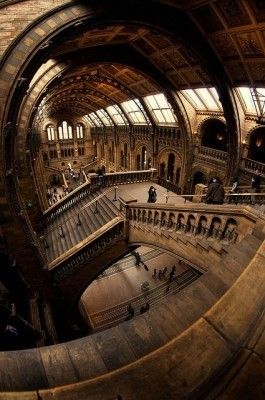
column 17, row 17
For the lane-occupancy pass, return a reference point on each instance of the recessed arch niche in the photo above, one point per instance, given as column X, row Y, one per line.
column 214, row 134
column 256, row 149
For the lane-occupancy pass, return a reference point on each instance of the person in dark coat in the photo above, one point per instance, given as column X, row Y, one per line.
column 215, row 193
column 151, row 195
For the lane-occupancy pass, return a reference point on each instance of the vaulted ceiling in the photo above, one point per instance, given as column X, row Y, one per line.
column 132, row 49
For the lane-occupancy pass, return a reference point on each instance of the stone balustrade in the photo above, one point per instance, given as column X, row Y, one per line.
column 218, row 222
column 125, row 177
column 168, row 185
column 253, row 165
column 213, row 153
column 94, row 183
column 83, row 254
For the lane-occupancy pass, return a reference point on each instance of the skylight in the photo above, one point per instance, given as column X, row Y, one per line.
column 161, row 109
column 95, row 119
column 135, row 112
column 117, row 115
column 253, row 100
column 103, row 115
column 204, row 99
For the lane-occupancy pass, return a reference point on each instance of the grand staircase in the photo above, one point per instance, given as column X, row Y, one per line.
column 76, row 225
column 193, row 335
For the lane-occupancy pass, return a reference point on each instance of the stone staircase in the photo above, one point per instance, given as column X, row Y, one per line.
column 121, row 345
column 77, row 224
column 201, row 252
column 130, row 341
column 117, row 314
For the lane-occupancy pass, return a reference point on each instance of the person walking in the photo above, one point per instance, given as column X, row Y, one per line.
column 234, row 190
column 255, row 186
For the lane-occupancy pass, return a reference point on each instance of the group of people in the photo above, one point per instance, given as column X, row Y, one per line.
column 53, row 195
column 163, row 273
column 130, row 310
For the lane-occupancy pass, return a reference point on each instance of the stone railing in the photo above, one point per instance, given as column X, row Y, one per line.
column 94, row 183
column 87, row 167
column 218, row 222
column 125, row 177
column 67, row 202
column 244, row 195
column 168, row 185
column 213, row 153
column 254, row 165
column 107, row 236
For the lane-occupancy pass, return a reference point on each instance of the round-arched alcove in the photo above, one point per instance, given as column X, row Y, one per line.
column 198, row 177
column 214, row 135
column 256, row 149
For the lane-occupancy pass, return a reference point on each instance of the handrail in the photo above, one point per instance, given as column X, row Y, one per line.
column 93, row 179
column 227, row 195
column 225, row 209
column 119, row 312
column 95, row 245
column 75, row 213
column 65, row 198
column 82, row 245
column 89, row 164
column 229, row 188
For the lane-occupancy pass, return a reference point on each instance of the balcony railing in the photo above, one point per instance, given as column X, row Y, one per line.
column 226, row 223
column 168, row 185
column 119, row 178
column 94, row 183
column 253, row 165
column 96, row 245
column 213, row 153
column 230, row 198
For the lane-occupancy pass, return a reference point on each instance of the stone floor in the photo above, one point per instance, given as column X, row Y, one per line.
column 140, row 192
column 122, row 281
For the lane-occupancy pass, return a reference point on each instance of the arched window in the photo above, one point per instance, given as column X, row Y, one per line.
column 65, row 131
column 79, row 131
column 138, row 162
column 50, row 132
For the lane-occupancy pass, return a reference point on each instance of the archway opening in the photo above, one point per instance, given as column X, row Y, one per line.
column 214, row 134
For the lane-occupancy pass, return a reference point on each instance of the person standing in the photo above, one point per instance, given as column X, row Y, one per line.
column 215, row 193
column 152, row 195
column 255, row 185
column 234, row 190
